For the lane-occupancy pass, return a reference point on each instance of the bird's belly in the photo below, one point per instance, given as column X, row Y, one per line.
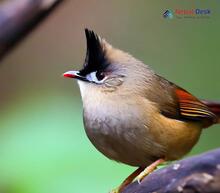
column 139, row 149
column 120, row 149
column 138, row 138
column 125, row 143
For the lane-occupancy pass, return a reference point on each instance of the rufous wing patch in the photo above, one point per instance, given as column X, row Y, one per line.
column 192, row 108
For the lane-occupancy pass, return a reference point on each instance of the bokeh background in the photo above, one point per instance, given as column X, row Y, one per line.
column 43, row 146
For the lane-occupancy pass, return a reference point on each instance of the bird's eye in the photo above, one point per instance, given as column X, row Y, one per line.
column 100, row 75
column 96, row 77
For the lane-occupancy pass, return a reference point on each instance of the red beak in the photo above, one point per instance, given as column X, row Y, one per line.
column 71, row 74
column 75, row 75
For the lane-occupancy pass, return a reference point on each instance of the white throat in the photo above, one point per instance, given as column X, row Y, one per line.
column 82, row 87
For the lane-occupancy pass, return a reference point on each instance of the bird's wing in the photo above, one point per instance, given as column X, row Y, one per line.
column 175, row 102
column 192, row 108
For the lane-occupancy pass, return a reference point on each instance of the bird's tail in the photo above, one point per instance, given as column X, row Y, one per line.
column 214, row 107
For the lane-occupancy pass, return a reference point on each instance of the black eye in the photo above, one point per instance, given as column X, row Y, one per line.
column 100, row 75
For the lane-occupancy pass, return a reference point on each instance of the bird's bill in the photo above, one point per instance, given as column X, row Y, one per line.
column 75, row 75
column 71, row 74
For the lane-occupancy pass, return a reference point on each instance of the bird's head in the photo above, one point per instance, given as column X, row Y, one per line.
column 106, row 68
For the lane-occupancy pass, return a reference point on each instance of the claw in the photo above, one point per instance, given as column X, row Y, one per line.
column 127, row 181
column 140, row 174
column 116, row 190
column 149, row 170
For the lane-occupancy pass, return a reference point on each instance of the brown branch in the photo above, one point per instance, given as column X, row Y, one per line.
column 198, row 174
column 19, row 17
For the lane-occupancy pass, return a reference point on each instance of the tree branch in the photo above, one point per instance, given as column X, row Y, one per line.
column 17, row 18
column 198, row 174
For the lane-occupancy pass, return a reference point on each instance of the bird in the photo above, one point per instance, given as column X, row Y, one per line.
column 133, row 115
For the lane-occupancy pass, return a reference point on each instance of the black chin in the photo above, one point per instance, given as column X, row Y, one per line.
column 82, row 78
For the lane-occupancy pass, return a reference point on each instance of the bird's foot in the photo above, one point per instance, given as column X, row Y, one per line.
column 139, row 174
column 116, row 190
column 127, row 181
column 149, row 169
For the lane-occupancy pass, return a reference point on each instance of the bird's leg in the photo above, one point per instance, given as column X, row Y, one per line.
column 139, row 174
column 128, row 180
column 149, row 169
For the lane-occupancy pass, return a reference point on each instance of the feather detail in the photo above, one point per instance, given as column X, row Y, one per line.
column 95, row 56
column 214, row 107
column 192, row 108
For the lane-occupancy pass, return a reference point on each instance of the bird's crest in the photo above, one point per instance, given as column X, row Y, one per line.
column 95, row 56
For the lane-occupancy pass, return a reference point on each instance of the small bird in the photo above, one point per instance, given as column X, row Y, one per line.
column 134, row 116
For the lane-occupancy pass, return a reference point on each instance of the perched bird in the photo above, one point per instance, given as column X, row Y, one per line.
column 134, row 116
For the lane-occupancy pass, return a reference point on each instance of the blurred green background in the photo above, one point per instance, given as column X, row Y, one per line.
column 43, row 146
